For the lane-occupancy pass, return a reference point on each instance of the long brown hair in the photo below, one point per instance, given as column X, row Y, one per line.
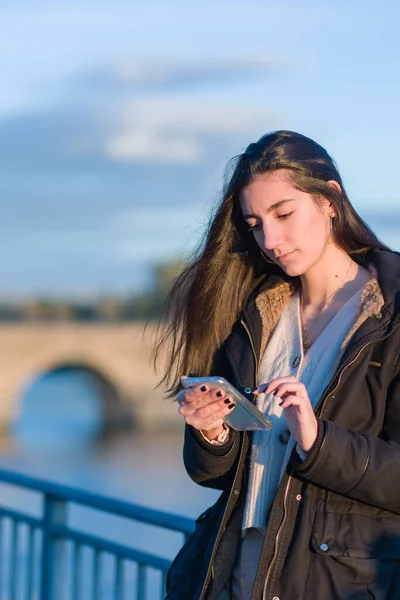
column 210, row 293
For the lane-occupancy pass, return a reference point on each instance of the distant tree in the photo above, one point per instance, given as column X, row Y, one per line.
column 144, row 306
column 110, row 309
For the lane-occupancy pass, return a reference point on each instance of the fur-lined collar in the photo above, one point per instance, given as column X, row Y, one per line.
column 272, row 301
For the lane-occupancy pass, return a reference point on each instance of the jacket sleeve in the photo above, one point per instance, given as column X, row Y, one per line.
column 208, row 465
column 362, row 467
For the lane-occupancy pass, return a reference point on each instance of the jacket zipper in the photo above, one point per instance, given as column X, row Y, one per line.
column 340, row 376
column 256, row 362
column 278, row 535
column 277, row 538
column 220, row 533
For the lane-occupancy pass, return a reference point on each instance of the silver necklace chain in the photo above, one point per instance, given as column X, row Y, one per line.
column 306, row 338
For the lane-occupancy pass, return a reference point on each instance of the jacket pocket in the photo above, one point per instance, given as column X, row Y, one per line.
column 357, row 545
column 350, row 534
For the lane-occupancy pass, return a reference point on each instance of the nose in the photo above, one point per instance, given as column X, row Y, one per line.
column 271, row 237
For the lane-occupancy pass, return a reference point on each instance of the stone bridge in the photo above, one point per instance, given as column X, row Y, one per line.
column 117, row 354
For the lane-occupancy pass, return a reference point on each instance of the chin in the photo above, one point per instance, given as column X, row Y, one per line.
column 292, row 270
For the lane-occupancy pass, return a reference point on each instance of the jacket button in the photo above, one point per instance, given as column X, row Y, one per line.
column 324, row 547
column 298, row 497
column 379, row 315
column 236, row 492
column 284, row 437
column 296, row 361
column 276, row 598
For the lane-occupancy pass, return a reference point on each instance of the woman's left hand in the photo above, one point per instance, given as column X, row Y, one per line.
column 299, row 413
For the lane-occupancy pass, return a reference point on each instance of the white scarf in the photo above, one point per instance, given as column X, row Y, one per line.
column 284, row 356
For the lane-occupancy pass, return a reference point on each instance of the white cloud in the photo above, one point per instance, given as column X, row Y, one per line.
column 198, row 70
column 149, row 146
column 195, row 115
column 178, row 129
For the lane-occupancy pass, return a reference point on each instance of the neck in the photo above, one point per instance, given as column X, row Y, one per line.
column 333, row 269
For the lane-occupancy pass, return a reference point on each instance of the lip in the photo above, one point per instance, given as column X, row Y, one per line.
column 285, row 256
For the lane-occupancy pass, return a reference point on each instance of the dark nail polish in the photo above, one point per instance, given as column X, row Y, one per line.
column 280, row 403
column 203, row 388
column 232, row 405
column 227, row 400
column 219, row 394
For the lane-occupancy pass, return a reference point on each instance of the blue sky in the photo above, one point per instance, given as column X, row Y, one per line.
column 117, row 118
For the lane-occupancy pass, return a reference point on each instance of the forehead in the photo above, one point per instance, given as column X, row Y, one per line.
column 267, row 189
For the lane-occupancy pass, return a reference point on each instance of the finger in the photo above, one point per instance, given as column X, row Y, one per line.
column 218, row 407
column 202, row 417
column 212, row 395
column 291, row 401
column 218, row 394
column 277, row 382
column 206, row 423
column 186, row 395
column 267, row 388
column 221, row 408
column 285, row 388
column 180, row 397
column 199, row 395
column 198, row 389
column 260, row 389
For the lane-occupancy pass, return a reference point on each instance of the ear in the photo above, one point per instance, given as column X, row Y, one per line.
column 337, row 187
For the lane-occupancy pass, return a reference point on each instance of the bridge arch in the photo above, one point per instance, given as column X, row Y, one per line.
column 114, row 410
column 120, row 353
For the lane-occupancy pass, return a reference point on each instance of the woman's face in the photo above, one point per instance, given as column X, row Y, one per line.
column 288, row 225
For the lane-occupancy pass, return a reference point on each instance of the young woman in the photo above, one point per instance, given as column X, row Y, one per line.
column 293, row 295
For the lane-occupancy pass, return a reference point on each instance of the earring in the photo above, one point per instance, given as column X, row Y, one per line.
column 265, row 257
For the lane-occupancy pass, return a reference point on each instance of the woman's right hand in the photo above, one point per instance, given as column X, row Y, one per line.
column 205, row 409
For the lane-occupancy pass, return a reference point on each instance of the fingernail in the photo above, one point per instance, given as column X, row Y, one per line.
column 219, row 394
column 280, row 403
column 203, row 388
column 231, row 405
column 227, row 400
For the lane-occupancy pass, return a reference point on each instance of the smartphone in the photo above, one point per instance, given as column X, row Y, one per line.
column 245, row 416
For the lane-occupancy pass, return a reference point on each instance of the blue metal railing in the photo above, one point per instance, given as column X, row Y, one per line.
column 45, row 558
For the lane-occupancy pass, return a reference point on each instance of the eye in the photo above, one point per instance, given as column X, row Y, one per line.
column 285, row 216
column 252, row 227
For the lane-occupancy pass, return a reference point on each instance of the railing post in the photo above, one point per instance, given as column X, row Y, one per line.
column 53, row 550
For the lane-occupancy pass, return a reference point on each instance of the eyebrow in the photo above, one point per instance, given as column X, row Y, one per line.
column 272, row 207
